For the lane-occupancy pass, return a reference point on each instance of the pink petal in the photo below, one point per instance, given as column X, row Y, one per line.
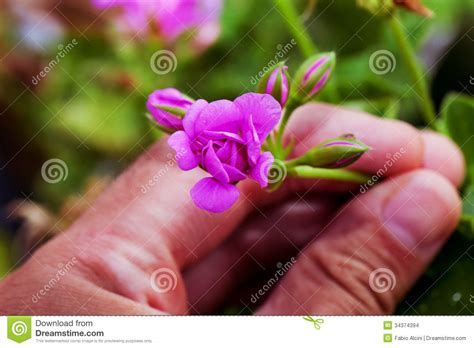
column 252, row 141
column 170, row 97
column 192, row 115
column 185, row 157
column 214, row 196
column 214, row 135
column 213, row 164
column 233, row 173
column 220, row 115
column 259, row 173
column 225, row 153
column 265, row 111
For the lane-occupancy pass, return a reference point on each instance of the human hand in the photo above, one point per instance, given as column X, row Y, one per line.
column 145, row 222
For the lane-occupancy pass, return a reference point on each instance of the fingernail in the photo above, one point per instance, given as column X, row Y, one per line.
column 421, row 212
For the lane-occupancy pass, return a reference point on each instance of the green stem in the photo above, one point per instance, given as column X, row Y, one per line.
column 296, row 161
column 296, row 27
column 332, row 174
column 414, row 68
column 289, row 108
column 305, row 43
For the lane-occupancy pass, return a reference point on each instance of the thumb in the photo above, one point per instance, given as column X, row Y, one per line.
column 374, row 250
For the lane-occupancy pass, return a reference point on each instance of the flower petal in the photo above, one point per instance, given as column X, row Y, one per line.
column 220, row 115
column 185, row 157
column 214, row 196
column 214, row 135
column 213, row 164
column 233, row 173
column 192, row 115
column 265, row 111
column 225, row 153
column 259, row 172
column 252, row 141
column 168, row 97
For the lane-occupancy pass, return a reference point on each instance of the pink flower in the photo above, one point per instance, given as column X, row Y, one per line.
column 176, row 16
column 168, row 106
column 135, row 14
column 173, row 17
column 225, row 139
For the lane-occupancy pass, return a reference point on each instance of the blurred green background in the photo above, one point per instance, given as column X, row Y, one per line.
column 89, row 111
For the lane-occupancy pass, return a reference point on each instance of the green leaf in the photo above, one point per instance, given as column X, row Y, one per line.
column 468, row 201
column 446, row 287
column 466, row 224
column 458, row 114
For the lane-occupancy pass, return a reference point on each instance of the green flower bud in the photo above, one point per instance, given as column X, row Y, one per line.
column 333, row 153
column 313, row 75
column 276, row 82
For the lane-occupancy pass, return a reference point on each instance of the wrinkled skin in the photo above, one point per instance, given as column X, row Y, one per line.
column 399, row 224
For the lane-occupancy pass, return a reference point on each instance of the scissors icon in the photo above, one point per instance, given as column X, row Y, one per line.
column 316, row 322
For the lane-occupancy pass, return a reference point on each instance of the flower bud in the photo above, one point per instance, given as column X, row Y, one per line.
column 335, row 153
column 276, row 83
column 313, row 75
column 168, row 106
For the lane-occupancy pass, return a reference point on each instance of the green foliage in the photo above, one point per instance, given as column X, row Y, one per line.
column 446, row 287
column 458, row 115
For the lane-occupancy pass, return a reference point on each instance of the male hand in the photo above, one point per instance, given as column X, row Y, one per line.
column 144, row 248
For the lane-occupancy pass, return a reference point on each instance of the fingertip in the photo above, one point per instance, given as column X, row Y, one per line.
column 397, row 142
column 396, row 146
column 442, row 155
column 421, row 209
